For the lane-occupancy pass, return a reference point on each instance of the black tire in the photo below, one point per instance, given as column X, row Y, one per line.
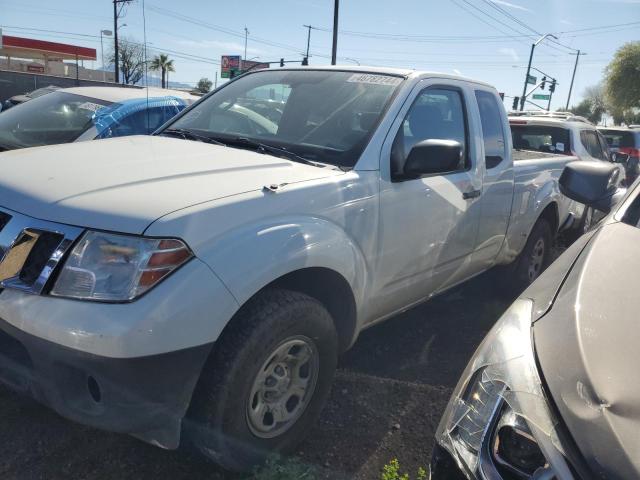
column 534, row 258
column 218, row 423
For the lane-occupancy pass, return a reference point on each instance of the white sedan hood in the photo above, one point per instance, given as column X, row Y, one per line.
column 124, row 184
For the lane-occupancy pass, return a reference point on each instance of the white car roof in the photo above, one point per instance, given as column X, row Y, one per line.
column 118, row 94
column 535, row 120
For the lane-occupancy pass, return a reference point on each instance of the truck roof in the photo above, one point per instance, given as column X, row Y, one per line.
column 403, row 72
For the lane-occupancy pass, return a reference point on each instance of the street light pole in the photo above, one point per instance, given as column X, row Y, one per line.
column 308, row 38
column 575, row 67
column 106, row 33
column 334, row 49
column 526, row 78
column 246, row 35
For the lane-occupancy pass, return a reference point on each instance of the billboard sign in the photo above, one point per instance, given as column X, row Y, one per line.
column 230, row 66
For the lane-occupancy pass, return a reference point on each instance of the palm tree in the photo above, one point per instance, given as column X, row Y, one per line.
column 161, row 62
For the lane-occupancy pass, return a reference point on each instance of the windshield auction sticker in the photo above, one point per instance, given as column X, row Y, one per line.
column 374, row 79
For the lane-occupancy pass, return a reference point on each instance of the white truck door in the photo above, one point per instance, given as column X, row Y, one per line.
column 497, row 189
column 428, row 225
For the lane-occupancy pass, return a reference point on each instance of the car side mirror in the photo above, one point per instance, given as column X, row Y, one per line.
column 433, row 156
column 619, row 157
column 592, row 183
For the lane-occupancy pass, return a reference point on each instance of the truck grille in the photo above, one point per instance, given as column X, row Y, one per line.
column 30, row 250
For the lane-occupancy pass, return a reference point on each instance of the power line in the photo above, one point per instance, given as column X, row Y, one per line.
column 520, row 22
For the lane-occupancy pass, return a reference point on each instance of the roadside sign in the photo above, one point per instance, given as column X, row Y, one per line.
column 541, row 96
column 230, row 66
column 532, row 80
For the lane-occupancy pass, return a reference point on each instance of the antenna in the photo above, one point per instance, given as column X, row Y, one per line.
column 146, row 63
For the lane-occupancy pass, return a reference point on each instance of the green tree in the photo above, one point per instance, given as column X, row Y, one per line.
column 594, row 104
column 622, row 85
column 161, row 62
column 204, row 85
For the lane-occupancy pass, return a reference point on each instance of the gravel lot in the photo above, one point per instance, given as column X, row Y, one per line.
column 389, row 393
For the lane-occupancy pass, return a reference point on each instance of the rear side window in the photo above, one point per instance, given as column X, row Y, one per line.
column 541, row 138
column 492, row 131
column 618, row 139
column 590, row 142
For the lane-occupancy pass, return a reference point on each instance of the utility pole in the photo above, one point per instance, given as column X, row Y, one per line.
column 575, row 67
column 246, row 35
column 116, row 14
column 526, row 78
column 309, row 27
column 334, row 49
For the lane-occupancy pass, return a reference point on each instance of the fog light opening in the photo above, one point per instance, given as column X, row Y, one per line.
column 94, row 389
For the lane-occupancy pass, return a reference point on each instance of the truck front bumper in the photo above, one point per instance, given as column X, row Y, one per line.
column 146, row 397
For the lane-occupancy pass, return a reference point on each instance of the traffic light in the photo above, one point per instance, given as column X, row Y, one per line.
column 516, row 100
column 552, row 87
column 544, row 79
column 282, row 62
column 305, row 61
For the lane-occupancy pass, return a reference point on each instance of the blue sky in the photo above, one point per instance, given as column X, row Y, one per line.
column 470, row 37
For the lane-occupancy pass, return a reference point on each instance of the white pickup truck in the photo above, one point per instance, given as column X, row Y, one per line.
column 197, row 286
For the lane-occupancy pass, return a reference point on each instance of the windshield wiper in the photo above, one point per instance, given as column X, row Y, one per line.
column 187, row 134
column 276, row 151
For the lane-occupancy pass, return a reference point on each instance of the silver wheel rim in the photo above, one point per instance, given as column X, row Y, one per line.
column 537, row 259
column 283, row 387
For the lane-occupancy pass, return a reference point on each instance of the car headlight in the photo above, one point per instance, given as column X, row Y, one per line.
column 114, row 268
column 498, row 423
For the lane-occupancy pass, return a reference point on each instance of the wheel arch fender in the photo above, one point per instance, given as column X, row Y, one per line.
column 294, row 252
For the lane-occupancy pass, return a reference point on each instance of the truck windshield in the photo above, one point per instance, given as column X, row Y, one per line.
column 323, row 116
column 57, row 117
column 541, row 138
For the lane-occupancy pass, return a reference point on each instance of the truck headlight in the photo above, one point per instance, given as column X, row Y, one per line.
column 114, row 268
column 498, row 423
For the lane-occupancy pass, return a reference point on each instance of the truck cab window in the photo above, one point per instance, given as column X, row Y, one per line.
column 590, row 142
column 492, row 132
column 436, row 113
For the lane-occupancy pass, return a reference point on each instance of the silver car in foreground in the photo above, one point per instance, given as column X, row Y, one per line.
column 554, row 389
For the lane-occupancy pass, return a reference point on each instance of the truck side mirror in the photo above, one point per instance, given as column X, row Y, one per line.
column 593, row 183
column 433, row 156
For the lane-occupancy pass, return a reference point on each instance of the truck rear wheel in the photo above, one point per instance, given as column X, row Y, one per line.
column 534, row 258
column 266, row 381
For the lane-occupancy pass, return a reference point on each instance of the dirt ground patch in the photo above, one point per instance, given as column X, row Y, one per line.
column 387, row 399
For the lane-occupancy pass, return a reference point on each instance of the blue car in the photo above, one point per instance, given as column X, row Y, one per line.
column 88, row 113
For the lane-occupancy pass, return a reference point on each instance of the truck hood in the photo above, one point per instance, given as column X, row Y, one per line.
column 124, row 184
column 587, row 346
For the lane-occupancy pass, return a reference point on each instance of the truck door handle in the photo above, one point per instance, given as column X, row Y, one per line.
column 471, row 194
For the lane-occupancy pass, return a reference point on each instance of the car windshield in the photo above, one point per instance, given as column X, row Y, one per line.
column 57, row 117
column 324, row 116
column 541, row 138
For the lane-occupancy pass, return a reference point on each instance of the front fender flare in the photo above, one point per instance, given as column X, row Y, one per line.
column 250, row 257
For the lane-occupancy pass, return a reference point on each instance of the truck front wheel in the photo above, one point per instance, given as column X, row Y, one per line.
column 266, row 381
column 534, row 258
